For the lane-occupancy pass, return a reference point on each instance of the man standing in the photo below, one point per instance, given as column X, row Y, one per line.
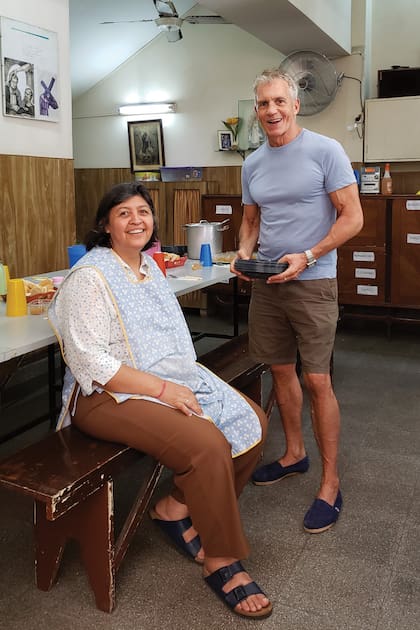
column 301, row 202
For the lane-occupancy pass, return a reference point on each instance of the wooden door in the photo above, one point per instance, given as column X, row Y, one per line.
column 221, row 207
column 405, row 265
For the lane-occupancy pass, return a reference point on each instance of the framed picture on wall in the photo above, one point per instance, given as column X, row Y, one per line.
column 145, row 139
column 30, row 81
column 225, row 140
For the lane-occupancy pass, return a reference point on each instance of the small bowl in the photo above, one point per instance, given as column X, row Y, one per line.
column 38, row 307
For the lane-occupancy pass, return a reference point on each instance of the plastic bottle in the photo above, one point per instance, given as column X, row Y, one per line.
column 386, row 184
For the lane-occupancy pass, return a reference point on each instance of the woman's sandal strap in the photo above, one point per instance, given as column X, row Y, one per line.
column 232, row 598
column 239, row 593
column 175, row 530
column 219, row 578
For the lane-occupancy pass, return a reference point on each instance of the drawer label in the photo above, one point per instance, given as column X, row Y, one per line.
column 364, row 256
column 365, row 273
column 224, row 210
column 414, row 239
column 363, row 289
column 412, row 204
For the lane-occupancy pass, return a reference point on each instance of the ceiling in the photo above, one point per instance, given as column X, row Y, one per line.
column 97, row 49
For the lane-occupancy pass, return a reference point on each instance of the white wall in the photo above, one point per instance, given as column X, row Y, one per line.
column 205, row 74
column 395, row 37
column 214, row 66
column 20, row 136
column 341, row 113
column 331, row 16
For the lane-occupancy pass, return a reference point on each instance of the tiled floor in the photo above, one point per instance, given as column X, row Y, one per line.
column 364, row 574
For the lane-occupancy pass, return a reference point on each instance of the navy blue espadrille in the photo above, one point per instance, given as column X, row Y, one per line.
column 321, row 515
column 271, row 473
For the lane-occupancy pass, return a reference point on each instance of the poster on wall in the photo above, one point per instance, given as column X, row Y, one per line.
column 29, row 61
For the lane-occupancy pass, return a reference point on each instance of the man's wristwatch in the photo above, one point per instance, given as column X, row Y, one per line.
column 310, row 258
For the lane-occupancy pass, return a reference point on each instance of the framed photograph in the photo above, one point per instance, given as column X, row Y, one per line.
column 225, row 140
column 30, row 80
column 145, row 139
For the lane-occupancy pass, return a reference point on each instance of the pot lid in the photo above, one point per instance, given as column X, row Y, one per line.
column 204, row 223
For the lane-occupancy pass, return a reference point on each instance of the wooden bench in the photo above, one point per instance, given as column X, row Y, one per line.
column 70, row 478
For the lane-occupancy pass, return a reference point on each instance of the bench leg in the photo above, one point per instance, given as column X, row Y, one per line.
column 91, row 524
column 253, row 390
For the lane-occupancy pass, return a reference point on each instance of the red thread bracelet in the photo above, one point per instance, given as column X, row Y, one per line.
column 162, row 390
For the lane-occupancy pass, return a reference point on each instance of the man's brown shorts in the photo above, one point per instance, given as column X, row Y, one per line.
column 299, row 315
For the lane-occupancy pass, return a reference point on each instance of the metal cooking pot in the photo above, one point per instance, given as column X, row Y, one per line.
column 205, row 232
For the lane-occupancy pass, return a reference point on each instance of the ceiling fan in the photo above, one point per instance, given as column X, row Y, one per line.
column 169, row 21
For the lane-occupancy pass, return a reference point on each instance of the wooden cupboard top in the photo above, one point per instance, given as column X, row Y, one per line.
column 393, row 196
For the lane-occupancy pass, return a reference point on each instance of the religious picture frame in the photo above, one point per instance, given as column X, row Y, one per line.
column 225, row 138
column 145, row 139
column 29, row 71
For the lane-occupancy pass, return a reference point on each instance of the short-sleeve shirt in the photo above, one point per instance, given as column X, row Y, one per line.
column 291, row 186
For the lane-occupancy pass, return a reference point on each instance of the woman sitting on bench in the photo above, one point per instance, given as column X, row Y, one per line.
column 132, row 378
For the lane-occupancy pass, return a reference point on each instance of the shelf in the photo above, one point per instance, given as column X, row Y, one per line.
column 242, row 152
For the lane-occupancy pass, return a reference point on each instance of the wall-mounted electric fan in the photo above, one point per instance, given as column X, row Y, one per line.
column 316, row 78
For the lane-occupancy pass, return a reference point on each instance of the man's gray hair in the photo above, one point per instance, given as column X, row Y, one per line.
column 267, row 76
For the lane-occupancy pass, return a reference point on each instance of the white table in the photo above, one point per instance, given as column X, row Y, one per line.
column 184, row 280
column 21, row 335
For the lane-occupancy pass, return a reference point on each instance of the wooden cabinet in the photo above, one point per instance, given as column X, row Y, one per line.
column 380, row 266
column 362, row 261
column 405, row 257
column 374, row 232
column 362, row 276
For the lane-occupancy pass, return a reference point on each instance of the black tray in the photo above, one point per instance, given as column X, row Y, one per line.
column 261, row 269
column 181, row 250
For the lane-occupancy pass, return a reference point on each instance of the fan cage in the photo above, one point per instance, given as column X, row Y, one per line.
column 315, row 77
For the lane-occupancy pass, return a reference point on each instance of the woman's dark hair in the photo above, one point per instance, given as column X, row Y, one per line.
column 115, row 196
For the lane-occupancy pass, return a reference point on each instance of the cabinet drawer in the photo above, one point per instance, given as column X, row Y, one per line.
column 361, row 275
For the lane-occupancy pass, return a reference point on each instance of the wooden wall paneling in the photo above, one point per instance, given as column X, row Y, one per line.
column 183, row 207
column 37, row 196
column 185, row 200
column 90, row 186
column 157, row 193
column 92, row 183
column 227, row 178
column 7, row 215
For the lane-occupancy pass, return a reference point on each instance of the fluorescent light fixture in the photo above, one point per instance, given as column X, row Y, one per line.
column 147, row 108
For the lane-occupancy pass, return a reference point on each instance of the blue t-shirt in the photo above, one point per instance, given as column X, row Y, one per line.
column 290, row 184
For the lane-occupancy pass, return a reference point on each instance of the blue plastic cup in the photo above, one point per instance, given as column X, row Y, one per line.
column 205, row 255
column 75, row 253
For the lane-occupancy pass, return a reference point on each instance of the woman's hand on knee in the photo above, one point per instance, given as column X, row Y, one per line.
column 181, row 398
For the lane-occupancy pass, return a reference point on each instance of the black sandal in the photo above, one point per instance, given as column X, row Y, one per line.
column 219, row 578
column 174, row 530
